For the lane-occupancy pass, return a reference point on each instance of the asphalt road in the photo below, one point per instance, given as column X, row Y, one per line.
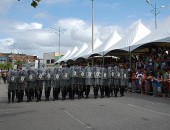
column 131, row 112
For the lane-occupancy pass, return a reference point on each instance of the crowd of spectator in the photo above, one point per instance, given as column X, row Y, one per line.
column 151, row 73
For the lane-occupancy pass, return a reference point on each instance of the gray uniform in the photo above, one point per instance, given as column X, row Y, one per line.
column 126, row 77
column 104, row 78
column 12, row 80
column 65, row 76
column 47, row 78
column 12, row 84
column 56, row 77
column 74, row 81
column 88, row 79
column 31, row 84
column 89, row 76
column 31, row 79
column 81, row 77
column 97, row 76
column 110, row 75
column 117, row 77
column 74, row 75
column 39, row 83
column 116, row 80
column 81, row 81
column 21, row 82
column 97, row 80
column 65, row 81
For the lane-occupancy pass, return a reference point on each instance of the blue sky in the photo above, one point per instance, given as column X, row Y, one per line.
column 27, row 30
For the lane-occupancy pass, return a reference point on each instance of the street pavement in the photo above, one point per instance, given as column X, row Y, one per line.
column 131, row 112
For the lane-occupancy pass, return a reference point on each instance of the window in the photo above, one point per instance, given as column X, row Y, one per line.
column 52, row 61
column 48, row 61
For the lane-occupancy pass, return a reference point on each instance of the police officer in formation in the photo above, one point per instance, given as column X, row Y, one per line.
column 71, row 81
column 81, row 81
column 88, row 80
column 56, row 77
column 31, row 84
column 39, row 84
column 65, row 81
column 21, row 84
column 48, row 79
column 110, row 72
column 74, row 81
column 97, row 78
column 12, row 85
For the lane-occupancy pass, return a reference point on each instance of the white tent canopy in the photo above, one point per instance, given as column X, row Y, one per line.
column 112, row 39
column 97, row 44
column 161, row 34
column 81, row 50
column 88, row 51
column 138, row 32
column 67, row 54
column 71, row 54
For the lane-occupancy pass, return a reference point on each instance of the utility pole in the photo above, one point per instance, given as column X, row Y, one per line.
column 155, row 11
column 92, row 30
column 59, row 32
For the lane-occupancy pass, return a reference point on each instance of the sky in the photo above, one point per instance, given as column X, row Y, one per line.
column 24, row 29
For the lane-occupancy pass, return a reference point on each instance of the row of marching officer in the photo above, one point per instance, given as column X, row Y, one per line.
column 30, row 81
column 69, row 80
column 77, row 80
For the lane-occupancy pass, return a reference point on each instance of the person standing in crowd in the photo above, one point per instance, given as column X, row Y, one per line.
column 12, row 85
column 4, row 76
column 165, row 83
column 31, row 84
column 110, row 79
column 116, row 80
column 88, row 80
column 169, row 83
column 56, row 77
column 39, row 84
column 47, row 78
column 97, row 78
column 65, row 81
column 122, row 81
column 81, row 82
column 21, row 81
column 73, row 81
column 104, row 82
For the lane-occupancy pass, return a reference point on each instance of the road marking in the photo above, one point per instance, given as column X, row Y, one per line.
column 79, row 121
column 149, row 110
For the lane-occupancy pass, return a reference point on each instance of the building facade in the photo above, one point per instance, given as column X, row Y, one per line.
column 50, row 58
column 14, row 58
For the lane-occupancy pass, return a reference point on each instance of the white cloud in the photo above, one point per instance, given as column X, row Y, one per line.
column 29, row 26
column 32, row 38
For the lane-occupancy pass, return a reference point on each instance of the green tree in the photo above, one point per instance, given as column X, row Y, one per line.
column 8, row 66
column 2, row 66
column 19, row 64
column 34, row 3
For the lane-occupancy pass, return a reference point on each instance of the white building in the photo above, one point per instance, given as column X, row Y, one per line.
column 50, row 58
